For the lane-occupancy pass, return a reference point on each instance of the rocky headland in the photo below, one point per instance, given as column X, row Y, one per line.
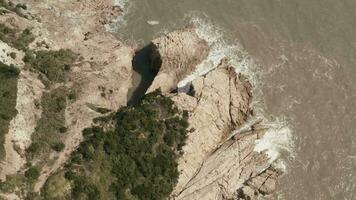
column 213, row 165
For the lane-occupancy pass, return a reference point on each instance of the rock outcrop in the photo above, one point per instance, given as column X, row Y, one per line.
column 233, row 171
column 213, row 166
column 174, row 56
column 212, row 114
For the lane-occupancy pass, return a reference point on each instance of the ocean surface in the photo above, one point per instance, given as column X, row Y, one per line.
column 300, row 56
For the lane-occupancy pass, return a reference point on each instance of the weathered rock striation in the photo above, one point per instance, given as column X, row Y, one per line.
column 174, row 56
column 213, row 167
column 211, row 115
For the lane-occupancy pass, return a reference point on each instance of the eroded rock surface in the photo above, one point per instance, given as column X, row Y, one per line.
column 174, row 56
column 233, row 171
column 212, row 166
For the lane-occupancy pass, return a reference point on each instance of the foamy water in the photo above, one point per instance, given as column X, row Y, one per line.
column 286, row 42
column 120, row 20
column 278, row 138
column 219, row 49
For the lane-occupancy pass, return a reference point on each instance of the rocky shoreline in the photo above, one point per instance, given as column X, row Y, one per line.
column 211, row 167
column 218, row 103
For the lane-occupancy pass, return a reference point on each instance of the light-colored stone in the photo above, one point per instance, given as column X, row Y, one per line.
column 176, row 55
column 213, row 114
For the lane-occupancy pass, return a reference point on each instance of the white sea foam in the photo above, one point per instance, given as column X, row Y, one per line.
column 152, row 22
column 277, row 140
column 120, row 20
column 219, row 49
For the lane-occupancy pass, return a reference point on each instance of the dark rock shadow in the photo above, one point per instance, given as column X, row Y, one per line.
column 142, row 65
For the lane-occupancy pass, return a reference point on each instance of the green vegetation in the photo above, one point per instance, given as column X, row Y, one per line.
column 58, row 146
column 32, row 173
column 17, row 8
column 53, row 64
column 49, row 130
column 12, row 182
column 56, row 187
column 99, row 109
column 8, row 95
column 15, row 39
column 130, row 155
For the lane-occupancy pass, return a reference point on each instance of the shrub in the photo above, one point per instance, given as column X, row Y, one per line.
column 53, row 64
column 33, row 148
column 63, row 129
column 136, row 159
column 13, row 55
column 8, row 71
column 32, row 173
column 51, row 125
column 59, row 146
column 8, row 94
column 14, row 8
column 12, row 38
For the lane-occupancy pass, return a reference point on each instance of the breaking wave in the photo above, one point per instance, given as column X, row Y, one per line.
column 219, row 49
column 278, row 139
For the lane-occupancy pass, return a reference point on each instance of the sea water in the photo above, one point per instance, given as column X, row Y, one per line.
column 300, row 56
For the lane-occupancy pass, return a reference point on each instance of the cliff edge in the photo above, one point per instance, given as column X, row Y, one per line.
column 214, row 165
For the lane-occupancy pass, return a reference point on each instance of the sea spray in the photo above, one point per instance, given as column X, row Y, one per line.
column 219, row 49
column 120, row 20
column 277, row 139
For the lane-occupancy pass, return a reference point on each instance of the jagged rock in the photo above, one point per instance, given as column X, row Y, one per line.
column 233, row 171
column 220, row 102
column 174, row 56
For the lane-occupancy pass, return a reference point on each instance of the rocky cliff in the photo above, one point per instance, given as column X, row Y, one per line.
column 215, row 165
column 174, row 56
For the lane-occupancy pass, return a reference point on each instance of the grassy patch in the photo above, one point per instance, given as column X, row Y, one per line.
column 12, row 182
column 49, row 130
column 8, row 95
column 15, row 39
column 56, row 187
column 53, row 64
column 135, row 159
column 32, row 173
column 17, row 8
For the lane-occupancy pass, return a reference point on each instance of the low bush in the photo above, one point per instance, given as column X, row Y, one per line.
column 58, row 146
column 53, row 64
column 8, row 94
column 51, row 126
column 15, row 39
column 17, row 8
column 135, row 159
column 32, row 173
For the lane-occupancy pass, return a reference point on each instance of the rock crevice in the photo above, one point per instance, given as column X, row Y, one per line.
column 215, row 164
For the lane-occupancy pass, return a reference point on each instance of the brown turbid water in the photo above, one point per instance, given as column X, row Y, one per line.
column 304, row 54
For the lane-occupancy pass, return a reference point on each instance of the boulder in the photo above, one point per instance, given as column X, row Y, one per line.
column 174, row 56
